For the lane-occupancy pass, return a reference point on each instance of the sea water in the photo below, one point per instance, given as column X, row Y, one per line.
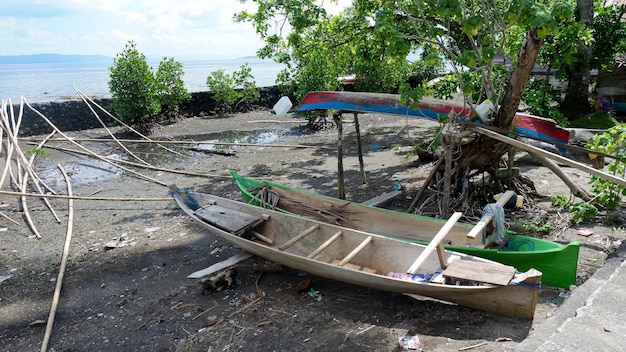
column 43, row 82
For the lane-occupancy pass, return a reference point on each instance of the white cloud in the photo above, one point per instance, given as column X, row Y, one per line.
column 198, row 28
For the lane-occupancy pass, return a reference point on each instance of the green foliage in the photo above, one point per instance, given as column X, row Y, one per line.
column 539, row 224
column 320, row 48
column 133, row 87
column 540, row 98
column 222, row 85
column 599, row 120
column 583, row 211
column 138, row 94
column 609, row 194
column 171, row 91
column 225, row 86
column 38, row 151
column 248, row 92
column 559, row 200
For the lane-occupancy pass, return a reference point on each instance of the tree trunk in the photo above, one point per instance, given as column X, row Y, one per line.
column 475, row 155
column 576, row 102
column 484, row 153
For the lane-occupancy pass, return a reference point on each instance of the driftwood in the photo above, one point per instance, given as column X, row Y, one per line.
column 576, row 190
column 214, row 151
column 66, row 252
column 432, row 174
column 22, row 186
column 221, row 265
column 12, row 130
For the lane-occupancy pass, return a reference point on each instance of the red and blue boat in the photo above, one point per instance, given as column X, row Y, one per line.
column 363, row 102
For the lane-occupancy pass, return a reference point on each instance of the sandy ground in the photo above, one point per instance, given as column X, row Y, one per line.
column 126, row 287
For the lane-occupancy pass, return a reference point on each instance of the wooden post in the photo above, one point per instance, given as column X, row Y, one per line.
column 359, row 148
column 446, row 142
column 340, row 187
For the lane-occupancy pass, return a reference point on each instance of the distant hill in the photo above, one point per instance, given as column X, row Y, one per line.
column 52, row 58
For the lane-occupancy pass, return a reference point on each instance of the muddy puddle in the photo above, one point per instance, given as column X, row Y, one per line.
column 85, row 169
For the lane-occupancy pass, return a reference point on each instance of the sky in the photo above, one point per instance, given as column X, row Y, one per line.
column 183, row 29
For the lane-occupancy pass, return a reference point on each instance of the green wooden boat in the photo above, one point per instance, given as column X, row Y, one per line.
column 558, row 262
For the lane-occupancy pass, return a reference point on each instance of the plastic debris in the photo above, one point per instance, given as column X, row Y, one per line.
column 410, row 343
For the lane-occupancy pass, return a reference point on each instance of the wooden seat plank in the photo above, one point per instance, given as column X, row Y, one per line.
column 298, row 237
column 356, row 251
column 325, row 245
column 230, row 220
column 491, row 273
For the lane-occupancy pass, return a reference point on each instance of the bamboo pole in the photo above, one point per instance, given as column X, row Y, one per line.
column 538, row 151
column 59, row 196
column 83, row 96
column 357, row 128
column 187, row 142
column 66, row 252
column 150, row 167
column 92, row 153
column 8, row 218
column 341, row 186
column 22, row 158
column 22, row 187
column 109, row 131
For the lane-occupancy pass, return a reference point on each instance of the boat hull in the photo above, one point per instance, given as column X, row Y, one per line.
column 556, row 261
column 526, row 125
column 372, row 264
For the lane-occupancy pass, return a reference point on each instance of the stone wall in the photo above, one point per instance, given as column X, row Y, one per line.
column 75, row 115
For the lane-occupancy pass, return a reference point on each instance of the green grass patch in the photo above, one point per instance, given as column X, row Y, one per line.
column 597, row 120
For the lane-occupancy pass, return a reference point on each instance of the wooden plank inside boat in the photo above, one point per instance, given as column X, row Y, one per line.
column 490, row 273
column 227, row 219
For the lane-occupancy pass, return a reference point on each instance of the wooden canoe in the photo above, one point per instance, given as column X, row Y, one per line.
column 558, row 262
column 365, row 259
column 525, row 125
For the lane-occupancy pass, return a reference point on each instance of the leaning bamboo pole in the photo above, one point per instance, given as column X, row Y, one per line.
column 149, row 167
column 9, row 147
column 109, row 131
column 22, row 188
column 36, row 180
column 66, row 252
column 84, row 97
column 89, row 151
